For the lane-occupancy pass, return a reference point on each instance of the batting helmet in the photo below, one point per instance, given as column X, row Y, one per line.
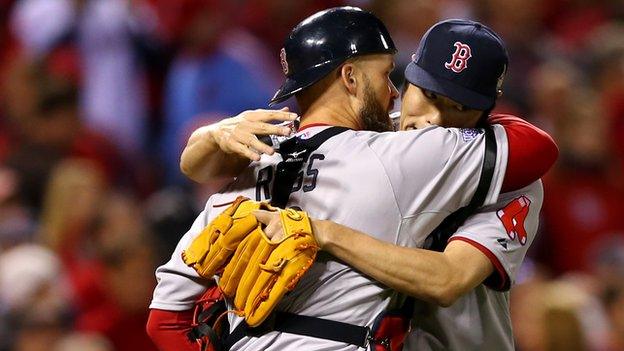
column 462, row 60
column 325, row 40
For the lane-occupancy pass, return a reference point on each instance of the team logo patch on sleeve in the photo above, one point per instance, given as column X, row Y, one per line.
column 469, row 133
column 513, row 216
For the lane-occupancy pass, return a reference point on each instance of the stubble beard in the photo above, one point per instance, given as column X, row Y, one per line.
column 373, row 115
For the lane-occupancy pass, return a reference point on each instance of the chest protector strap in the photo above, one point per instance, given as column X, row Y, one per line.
column 295, row 152
column 438, row 239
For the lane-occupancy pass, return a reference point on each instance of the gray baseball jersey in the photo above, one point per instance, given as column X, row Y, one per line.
column 480, row 319
column 398, row 186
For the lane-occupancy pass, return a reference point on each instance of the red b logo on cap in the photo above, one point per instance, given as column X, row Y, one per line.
column 459, row 60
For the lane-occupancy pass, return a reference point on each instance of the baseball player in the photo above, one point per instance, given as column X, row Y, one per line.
column 442, row 167
column 471, row 281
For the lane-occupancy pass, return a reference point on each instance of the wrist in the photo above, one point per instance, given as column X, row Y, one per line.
column 320, row 234
column 209, row 139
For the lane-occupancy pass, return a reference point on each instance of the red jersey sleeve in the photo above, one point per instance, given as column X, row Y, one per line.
column 532, row 152
column 169, row 330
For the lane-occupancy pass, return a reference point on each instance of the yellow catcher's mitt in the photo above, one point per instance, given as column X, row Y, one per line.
column 262, row 271
column 256, row 246
column 212, row 248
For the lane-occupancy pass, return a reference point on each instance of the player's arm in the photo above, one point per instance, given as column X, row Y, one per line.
column 225, row 148
column 171, row 309
column 481, row 251
column 525, row 154
column 532, row 152
column 488, row 248
column 169, row 330
column 435, row 277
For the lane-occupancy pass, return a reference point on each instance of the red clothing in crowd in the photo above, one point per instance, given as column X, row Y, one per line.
column 97, row 311
column 581, row 211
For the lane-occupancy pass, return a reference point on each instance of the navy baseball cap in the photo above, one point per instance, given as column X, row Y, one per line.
column 462, row 60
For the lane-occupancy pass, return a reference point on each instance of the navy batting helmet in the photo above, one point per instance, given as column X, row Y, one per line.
column 323, row 41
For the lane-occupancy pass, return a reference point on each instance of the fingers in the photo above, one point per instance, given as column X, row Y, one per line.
column 273, row 227
column 239, row 134
column 241, row 140
column 261, row 115
column 275, row 230
column 264, row 216
column 262, row 128
column 250, row 140
column 244, row 151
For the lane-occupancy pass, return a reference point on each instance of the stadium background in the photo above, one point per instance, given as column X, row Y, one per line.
column 98, row 96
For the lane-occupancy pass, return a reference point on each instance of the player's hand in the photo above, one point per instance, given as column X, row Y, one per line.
column 273, row 225
column 239, row 134
column 274, row 230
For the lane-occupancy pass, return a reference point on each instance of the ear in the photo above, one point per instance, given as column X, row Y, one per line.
column 348, row 77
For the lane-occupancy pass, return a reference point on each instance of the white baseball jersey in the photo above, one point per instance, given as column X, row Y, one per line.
column 398, row 186
column 480, row 319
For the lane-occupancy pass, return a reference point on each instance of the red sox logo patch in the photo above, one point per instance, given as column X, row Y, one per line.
column 283, row 61
column 513, row 217
column 459, row 60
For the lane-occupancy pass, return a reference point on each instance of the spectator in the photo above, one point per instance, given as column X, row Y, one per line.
column 103, row 32
column 126, row 251
column 17, row 224
column 82, row 342
column 53, row 131
column 614, row 304
column 33, row 298
column 169, row 213
column 219, row 70
column 582, row 205
column 407, row 29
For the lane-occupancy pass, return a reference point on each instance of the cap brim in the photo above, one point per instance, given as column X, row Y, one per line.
column 298, row 82
column 423, row 79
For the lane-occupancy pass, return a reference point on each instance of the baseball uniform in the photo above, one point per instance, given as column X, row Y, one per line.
column 480, row 319
column 397, row 185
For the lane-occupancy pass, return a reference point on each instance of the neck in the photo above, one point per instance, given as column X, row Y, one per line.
column 329, row 115
column 334, row 111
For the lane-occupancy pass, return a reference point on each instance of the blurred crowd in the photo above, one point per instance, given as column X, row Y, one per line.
column 97, row 98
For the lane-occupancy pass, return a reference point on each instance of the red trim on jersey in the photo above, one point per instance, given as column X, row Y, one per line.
column 498, row 280
column 532, row 152
column 169, row 329
column 313, row 125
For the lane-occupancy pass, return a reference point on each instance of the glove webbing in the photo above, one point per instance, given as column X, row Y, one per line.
column 295, row 153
